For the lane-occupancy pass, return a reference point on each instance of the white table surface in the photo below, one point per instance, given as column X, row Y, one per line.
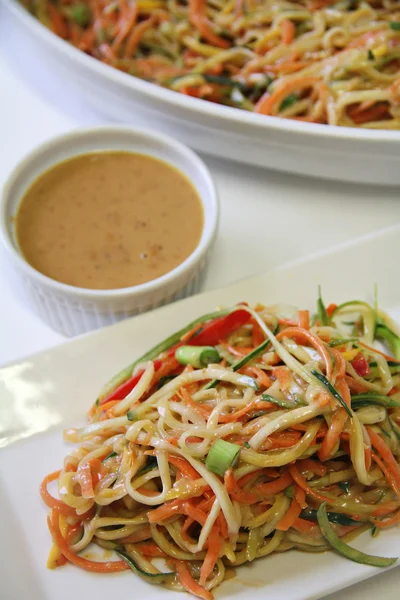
column 267, row 218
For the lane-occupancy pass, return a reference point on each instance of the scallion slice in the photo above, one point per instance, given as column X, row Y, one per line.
column 131, row 415
column 197, row 356
column 221, row 456
column 321, row 310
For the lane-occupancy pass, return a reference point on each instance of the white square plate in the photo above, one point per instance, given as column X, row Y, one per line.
column 47, row 392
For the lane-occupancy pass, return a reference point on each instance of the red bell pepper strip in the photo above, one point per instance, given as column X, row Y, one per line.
column 218, row 329
column 127, row 386
column 360, row 365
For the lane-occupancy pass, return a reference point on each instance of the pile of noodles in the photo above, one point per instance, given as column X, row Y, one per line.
column 311, row 407
column 319, row 61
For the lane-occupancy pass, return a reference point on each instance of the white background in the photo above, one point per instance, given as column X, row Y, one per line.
column 266, row 218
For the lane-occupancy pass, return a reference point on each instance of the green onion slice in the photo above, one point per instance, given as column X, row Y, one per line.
column 197, row 356
column 131, row 415
column 321, row 310
column 221, row 456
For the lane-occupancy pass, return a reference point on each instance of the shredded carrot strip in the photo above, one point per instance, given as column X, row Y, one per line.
column 199, row 20
column 290, row 517
column 376, row 113
column 235, row 491
column 189, row 583
column 52, row 502
column 302, row 482
column 237, row 414
column 388, row 522
column 249, row 477
column 137, row 34
column 340, row 363
column 300, row 496
column 388, row 459
column 274, row 487
column 304, row 526
column 304, row 319
column 83, row 563
column 355, row 386
column 165, row 511
column 260, row 375
column 150, row 549
column 214, row 547
column 288, row 31
column 268, row 102
column 201, row 409
column 308, row 464
column 129, row 17
column 389, row 476
column 183, row 466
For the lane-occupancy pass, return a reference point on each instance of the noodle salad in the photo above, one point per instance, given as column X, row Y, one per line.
column 321, row 61
column 250, row 431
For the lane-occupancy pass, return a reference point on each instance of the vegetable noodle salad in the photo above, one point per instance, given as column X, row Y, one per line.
column 320, row 61
column 248, row 432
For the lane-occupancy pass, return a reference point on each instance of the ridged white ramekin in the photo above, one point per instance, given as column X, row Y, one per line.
column 72, row 310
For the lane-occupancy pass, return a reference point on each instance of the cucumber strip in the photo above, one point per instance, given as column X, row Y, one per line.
column 342, row 341
column 394, row 368
column 112, row 455
column 157, row 578
column 369, row 316
column 310, row 514
column 383, row 332
column 332, row 391
column 395, row 428
column 221, row 80
column 368, row 398
column 281, row 403
column 149, row 465
column 344, row 549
